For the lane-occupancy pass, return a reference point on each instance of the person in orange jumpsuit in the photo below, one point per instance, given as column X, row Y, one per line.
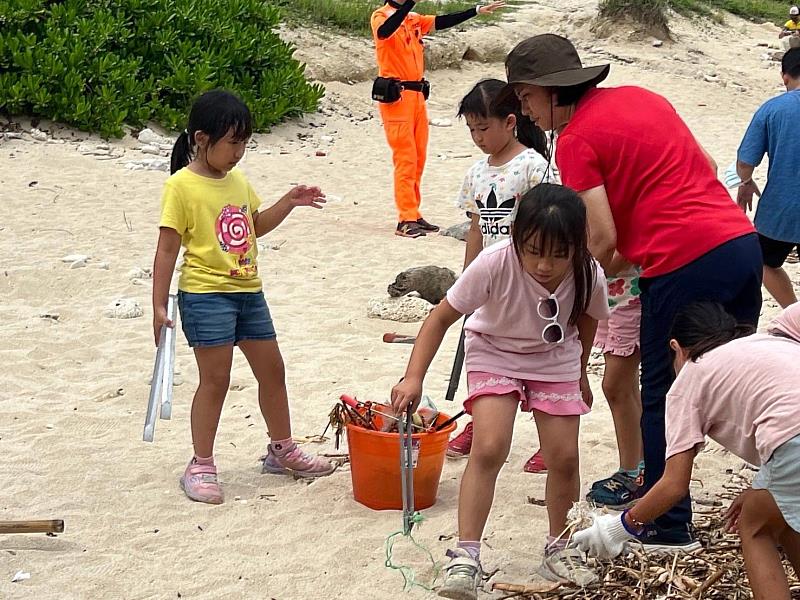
column 398, row 34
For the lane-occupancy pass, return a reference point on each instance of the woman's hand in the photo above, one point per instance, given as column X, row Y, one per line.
column 744, row 196
column 303, row 195
column 407, row 392
column 491, row 7
column 159, row 320
column 586, row 390
column 733, row 513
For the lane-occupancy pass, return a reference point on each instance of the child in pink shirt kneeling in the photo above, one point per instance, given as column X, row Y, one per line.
column 535, row 299
column 743, row 392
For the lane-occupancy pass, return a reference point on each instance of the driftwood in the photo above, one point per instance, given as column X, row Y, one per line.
column 53, row 526
column 714, row 572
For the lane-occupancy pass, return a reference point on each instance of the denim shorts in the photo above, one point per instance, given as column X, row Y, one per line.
column 219, row 319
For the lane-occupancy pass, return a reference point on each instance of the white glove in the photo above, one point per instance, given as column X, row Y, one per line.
column 605, row 538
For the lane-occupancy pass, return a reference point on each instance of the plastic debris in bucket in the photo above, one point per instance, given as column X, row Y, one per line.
column 375, row 460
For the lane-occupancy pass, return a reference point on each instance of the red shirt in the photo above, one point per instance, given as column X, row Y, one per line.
column 669, row 208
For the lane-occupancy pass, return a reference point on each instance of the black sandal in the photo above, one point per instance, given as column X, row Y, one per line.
column 409, row 229
column 425, row 226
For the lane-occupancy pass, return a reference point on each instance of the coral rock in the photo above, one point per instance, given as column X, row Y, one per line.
column 407, row 309
column 123, row 308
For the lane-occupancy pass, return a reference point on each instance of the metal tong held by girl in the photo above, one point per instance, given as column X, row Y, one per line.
column 163, row 374
column 407, row 469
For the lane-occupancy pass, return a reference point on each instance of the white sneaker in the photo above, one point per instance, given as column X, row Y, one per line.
column 461, row 576
column 567, row 566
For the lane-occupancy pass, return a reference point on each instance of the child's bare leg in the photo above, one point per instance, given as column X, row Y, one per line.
column 558, row 436
column 761, row 524
column 790, row 542
column 493, row 423
column 214, row 365
column 266, row 361
column 621, row 389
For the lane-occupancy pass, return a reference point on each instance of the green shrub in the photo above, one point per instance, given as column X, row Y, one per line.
column 651, row 13
column 775, row 11
column 97, row 64
column 353, row 15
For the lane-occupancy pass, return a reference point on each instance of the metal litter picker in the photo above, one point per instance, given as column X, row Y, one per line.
column 163, row 373
column 405, row 427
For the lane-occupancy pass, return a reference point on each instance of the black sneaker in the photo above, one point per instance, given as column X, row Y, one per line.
column 680, row 538
column 425, row 226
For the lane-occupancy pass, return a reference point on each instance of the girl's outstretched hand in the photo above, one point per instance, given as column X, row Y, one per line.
column 491, row 7
column 302, row 195
column 159, row 320
column 407, row 392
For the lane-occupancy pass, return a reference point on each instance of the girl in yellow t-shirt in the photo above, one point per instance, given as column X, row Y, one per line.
column 210, row 208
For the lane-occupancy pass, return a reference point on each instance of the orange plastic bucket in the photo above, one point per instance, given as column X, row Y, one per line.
column 375, row 465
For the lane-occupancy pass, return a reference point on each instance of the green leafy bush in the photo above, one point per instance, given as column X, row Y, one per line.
column 97, row 64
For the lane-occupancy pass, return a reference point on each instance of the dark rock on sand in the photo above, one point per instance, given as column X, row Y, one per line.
column 430, row 282
column 457, row 231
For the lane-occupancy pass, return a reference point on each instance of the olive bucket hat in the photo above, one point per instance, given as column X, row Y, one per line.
column 549, row 60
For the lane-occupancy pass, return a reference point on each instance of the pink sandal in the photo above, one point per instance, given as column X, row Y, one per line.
column 296, row 462
column 200, row 483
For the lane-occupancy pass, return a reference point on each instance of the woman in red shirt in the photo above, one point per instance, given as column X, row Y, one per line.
column 653, row 199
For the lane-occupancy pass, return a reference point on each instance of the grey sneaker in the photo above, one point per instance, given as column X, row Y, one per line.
column 567, row 566
column 461, row 576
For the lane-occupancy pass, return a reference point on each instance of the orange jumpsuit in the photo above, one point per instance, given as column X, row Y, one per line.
column 405, row 121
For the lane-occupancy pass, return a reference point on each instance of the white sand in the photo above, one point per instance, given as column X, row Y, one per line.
column 73, row 392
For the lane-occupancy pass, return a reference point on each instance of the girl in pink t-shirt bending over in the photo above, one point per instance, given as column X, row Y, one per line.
column 535, row 299
column 743, row 392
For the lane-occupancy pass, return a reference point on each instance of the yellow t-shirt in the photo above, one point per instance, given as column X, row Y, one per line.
column 792, row 26
column 214, row 218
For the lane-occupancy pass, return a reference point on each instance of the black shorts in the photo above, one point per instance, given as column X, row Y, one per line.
column 774, row 251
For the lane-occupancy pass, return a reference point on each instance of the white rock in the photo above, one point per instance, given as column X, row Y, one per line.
column 710, row 79
column 78, row 264
column 123, row 308
column 88, row 150
column 56, row 141
column 139, row 273
column 150, row 149
column 405, row 309
column 20, row 576
column 13, row 135
column 39, row 136
column 71, row 258
column 657, row 43
column 102, row 265
column 148, row 136
column 436, row 122
column 326, row 138
column 148, row 164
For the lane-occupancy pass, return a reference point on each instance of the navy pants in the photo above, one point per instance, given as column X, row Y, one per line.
column 729, row 274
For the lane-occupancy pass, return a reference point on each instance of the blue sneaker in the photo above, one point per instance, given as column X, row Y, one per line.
column 618, row 492
column 680, row 538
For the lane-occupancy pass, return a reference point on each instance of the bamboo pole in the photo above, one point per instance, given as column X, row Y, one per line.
column 44, row 526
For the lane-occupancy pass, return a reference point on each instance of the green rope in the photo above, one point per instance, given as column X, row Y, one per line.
column 409, row 579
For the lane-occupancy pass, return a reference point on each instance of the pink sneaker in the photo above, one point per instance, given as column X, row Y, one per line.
column 535, row 464
column 460, row 445
column 297, row 463
column 200, row 483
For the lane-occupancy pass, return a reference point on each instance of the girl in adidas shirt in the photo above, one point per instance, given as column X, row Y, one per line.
column 517, row 160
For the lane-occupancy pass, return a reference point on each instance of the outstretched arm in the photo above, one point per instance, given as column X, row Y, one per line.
column 301, row 195
column 431, row 334
column 453, row 19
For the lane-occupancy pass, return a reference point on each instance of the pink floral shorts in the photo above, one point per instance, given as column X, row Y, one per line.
column 619, row 335
column 561, row 398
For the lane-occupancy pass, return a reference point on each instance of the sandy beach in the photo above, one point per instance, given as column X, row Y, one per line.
column 75, row 383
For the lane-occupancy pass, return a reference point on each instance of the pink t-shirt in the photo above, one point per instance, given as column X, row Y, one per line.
column 744, row 395
column 504, row 335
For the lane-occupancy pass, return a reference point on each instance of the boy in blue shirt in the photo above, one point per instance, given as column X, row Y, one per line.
column 773, row 131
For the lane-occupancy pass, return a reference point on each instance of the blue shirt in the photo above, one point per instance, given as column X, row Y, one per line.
column 774, row 131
